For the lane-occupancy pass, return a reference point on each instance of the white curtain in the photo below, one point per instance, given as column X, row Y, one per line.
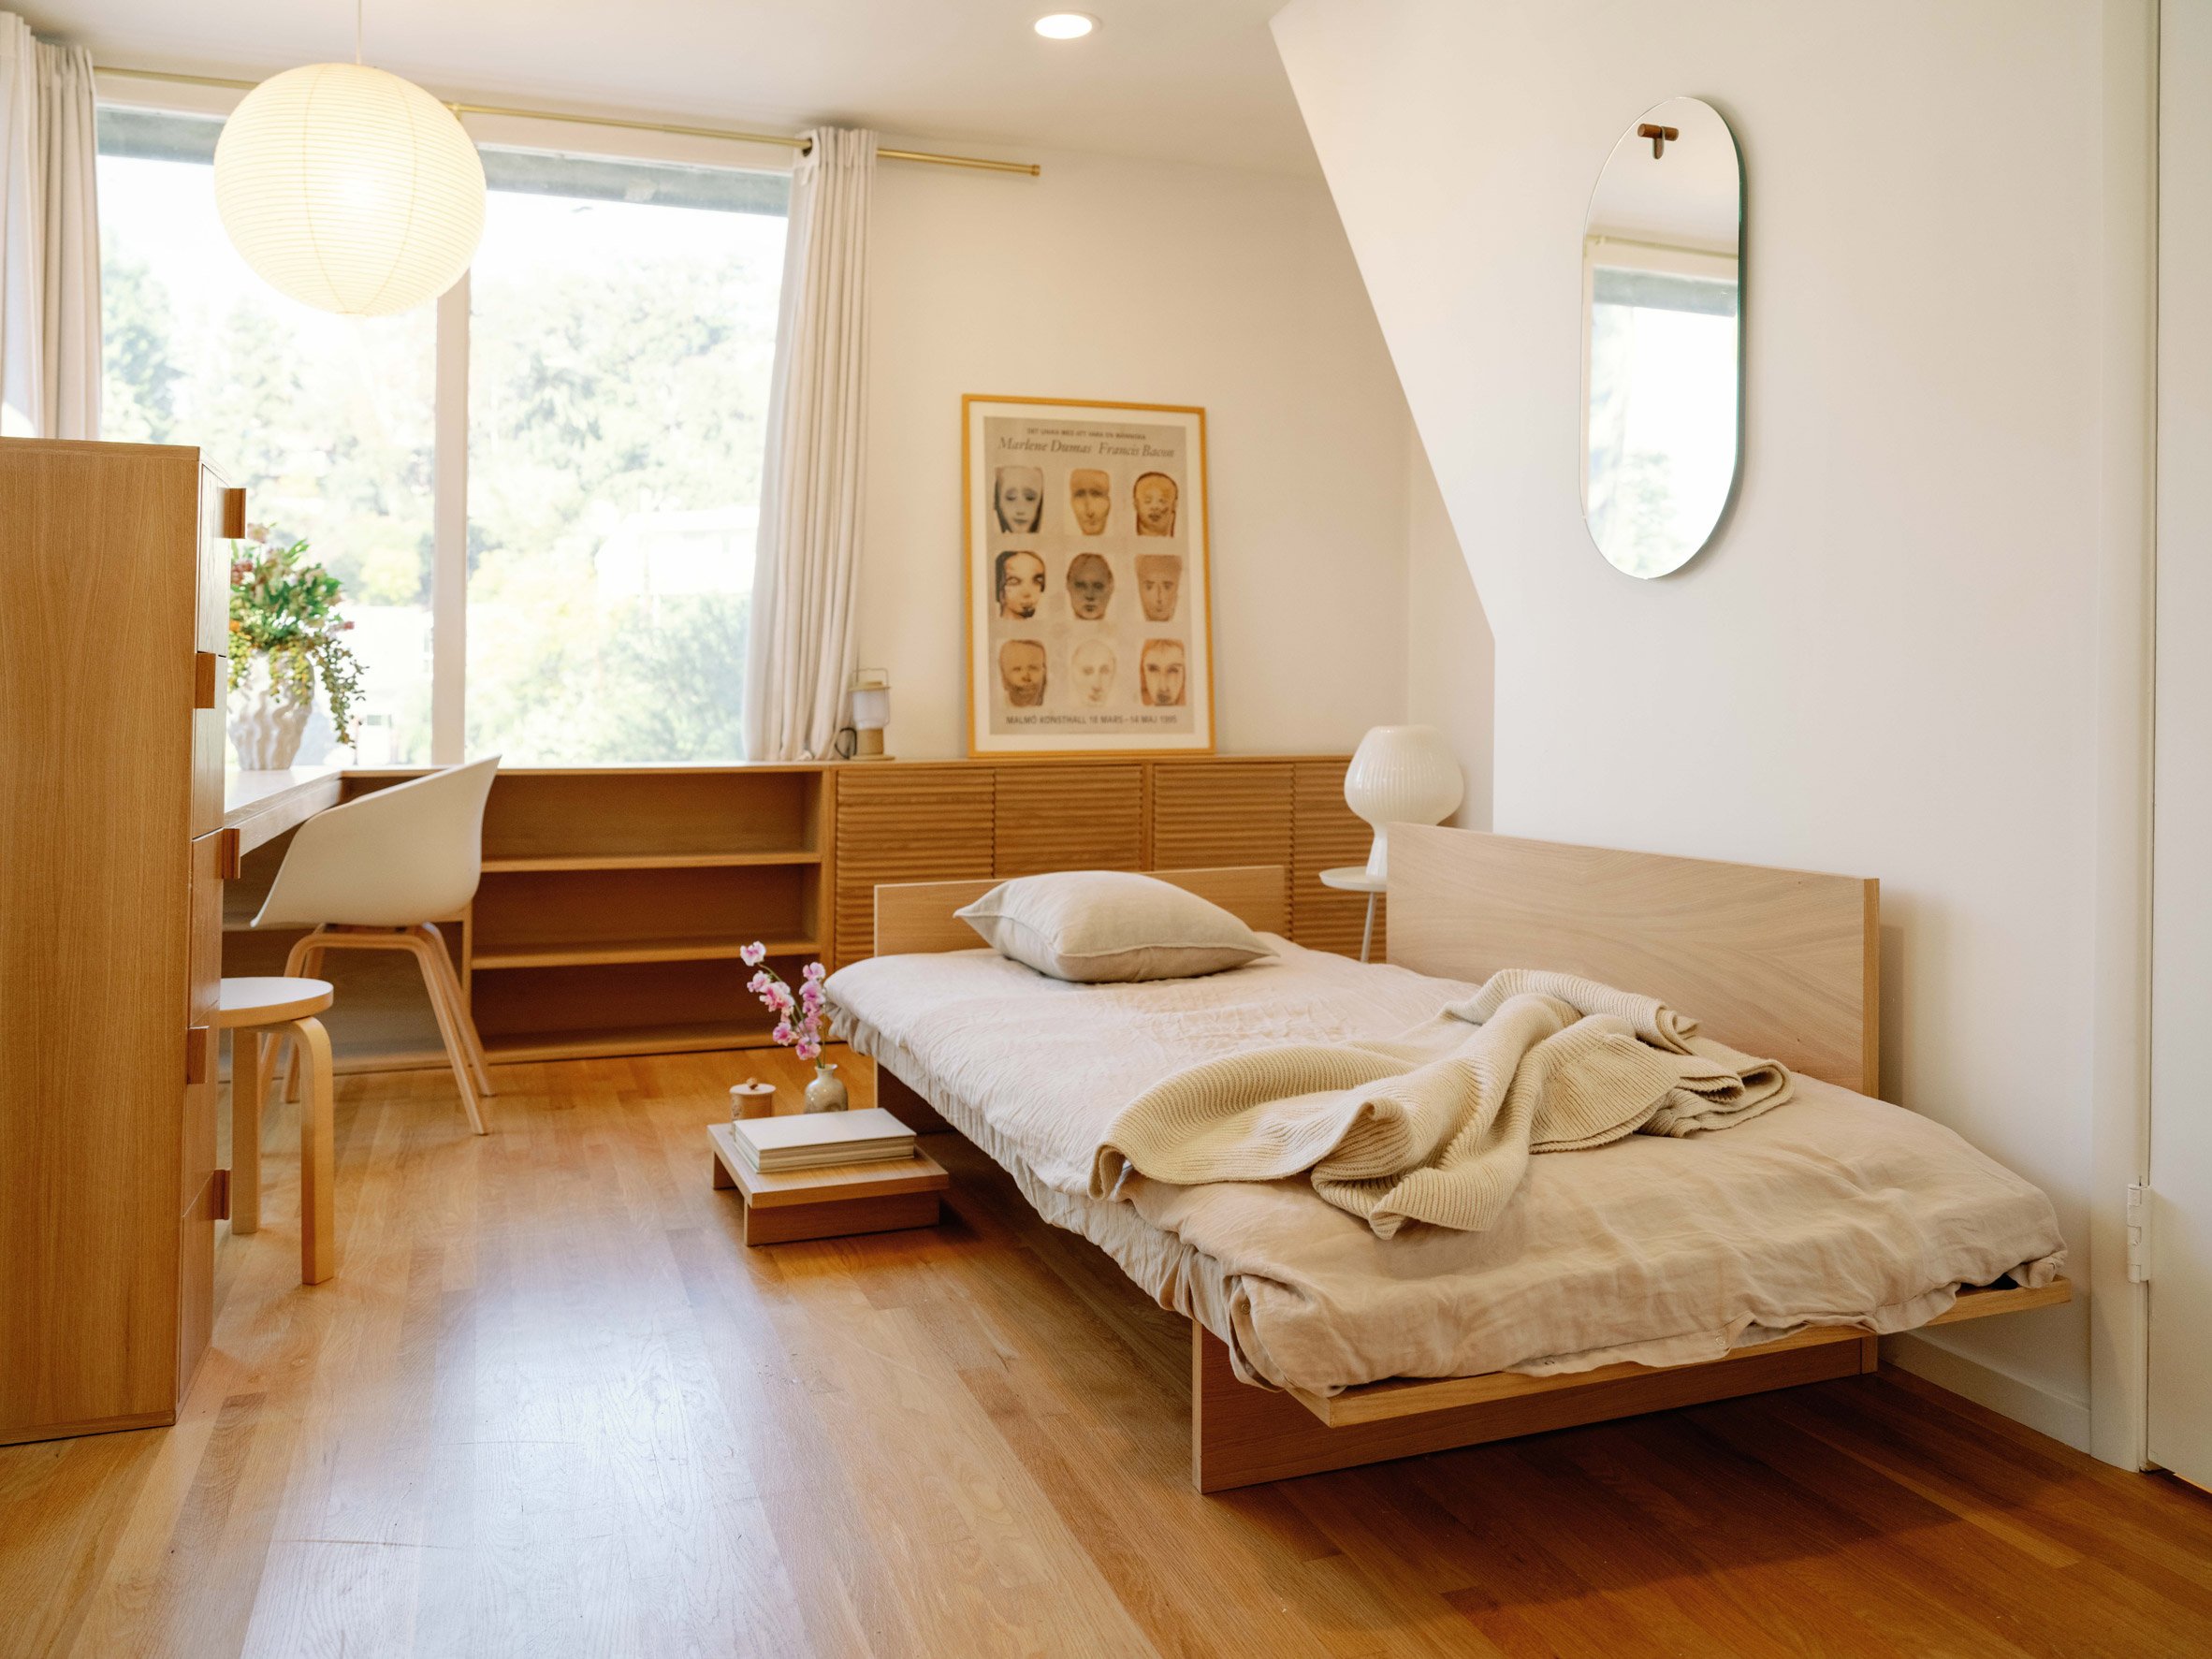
column 50, row 239
column 800, row 652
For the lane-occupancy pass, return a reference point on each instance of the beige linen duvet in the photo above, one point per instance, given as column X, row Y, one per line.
column 1830, row 1209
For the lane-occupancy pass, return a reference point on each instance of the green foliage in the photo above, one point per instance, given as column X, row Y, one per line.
column 285, row 611
column 601, row 397
column 139, row 397
column 621, row 385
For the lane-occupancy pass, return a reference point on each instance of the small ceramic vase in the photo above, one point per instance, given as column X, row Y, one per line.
column 826, row 1093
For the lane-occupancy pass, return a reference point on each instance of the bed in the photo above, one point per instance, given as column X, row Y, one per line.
column 1650, row 1274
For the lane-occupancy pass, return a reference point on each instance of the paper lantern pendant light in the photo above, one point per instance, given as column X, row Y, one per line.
column 350, row 189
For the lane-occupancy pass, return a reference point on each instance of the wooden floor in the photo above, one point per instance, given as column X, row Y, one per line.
column 550, row 1405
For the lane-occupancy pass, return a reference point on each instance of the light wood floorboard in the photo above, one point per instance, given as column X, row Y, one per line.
column 550, row 1405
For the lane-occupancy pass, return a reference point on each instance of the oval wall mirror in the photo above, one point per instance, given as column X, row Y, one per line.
column 1662, row 339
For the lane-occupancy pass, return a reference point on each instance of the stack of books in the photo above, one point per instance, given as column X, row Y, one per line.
column 817, row 1140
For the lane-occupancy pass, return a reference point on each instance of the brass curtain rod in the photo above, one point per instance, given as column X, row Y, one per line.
column 975, row 162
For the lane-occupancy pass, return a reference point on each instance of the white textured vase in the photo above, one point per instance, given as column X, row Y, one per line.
column 267, row 729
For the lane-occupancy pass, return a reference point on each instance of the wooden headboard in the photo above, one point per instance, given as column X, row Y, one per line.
column 916, row 917
column 1778, row 963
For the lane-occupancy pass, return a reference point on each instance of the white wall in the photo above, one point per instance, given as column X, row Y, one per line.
column 1121, row 280
column 1448, row 653
column 1886, row 666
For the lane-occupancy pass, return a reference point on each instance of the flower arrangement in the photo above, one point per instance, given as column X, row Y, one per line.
column 284, row 610
column 800, row 1019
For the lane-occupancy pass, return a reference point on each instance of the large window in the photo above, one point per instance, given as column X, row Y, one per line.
column 327, row 421
column 615, row 356
column 623, row 325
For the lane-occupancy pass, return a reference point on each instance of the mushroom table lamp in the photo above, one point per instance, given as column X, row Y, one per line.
column 1401, row 775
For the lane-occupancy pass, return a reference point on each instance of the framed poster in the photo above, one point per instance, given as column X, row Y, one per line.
column 1089, row 608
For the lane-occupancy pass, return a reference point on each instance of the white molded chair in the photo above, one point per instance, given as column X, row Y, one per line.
column 372, row 874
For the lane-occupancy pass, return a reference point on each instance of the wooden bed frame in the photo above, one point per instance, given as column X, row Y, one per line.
column 1774, row 962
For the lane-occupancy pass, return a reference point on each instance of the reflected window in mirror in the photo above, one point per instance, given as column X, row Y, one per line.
column 1662, row 339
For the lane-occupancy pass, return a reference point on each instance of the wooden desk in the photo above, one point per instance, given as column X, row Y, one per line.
column 258, row 807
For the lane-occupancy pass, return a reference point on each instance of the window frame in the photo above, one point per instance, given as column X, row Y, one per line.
column 449, row 513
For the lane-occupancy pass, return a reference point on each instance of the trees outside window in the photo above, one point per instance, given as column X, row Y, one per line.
column 616, row 351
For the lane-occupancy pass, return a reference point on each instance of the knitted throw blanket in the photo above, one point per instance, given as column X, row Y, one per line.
column 1438, row 1124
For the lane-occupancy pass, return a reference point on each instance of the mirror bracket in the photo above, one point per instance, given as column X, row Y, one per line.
column 1660, row 136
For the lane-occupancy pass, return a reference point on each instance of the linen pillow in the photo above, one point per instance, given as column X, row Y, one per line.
column 1110, row 926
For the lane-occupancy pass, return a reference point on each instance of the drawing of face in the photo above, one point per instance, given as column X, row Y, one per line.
column 1021, row 584
column 1090, row 586
column 1161, row 666
column 1155, row 495
column 1094, row 664
column 1159, row 584
column 1018, row 495
column 1090, row 497
column 1021, row 670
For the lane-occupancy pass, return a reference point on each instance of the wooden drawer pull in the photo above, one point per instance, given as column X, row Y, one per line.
column 196, row 1047
column 234, row 514
column 207, row 676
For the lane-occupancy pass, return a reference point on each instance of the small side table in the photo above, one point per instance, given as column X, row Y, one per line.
column 1353, row 878
column 833, row 1202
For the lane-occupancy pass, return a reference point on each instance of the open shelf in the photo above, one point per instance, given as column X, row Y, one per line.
column 650, row 861
column 620, row 951
column 585, row 1044
column 606, row 819
column 543, row 1009
column 550, row 918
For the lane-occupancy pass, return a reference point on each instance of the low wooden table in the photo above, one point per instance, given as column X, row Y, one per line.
column 831, row 1202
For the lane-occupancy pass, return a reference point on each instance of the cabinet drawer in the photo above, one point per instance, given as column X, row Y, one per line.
column 222, row 519
column 207, row 758
column 203, row 988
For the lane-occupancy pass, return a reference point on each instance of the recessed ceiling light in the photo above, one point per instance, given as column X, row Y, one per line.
column 1066, row 26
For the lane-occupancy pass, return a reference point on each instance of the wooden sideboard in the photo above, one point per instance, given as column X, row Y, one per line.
column 939, row 821
column 615, row 899
column 114, row 619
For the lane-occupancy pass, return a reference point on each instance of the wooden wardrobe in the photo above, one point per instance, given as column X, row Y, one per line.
column 114, row 583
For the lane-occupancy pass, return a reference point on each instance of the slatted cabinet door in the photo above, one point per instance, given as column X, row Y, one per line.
column 1075, row 817
column 1222, row 812
column 917, row 823
column 1207, row 814
column 1328, row 835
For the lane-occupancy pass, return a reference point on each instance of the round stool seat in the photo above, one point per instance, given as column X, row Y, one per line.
column 249, row 1002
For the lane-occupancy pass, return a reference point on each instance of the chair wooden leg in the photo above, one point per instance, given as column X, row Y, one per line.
column 318, row 1175
column 455, row 1052
column 249, row 1081
column 458, row 1000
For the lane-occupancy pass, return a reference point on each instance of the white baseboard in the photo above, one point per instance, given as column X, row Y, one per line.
column 2010, row 1396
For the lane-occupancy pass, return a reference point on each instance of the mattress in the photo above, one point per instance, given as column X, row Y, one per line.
column 1833, row 1209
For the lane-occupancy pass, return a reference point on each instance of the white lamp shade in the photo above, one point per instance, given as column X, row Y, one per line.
column 1402, row 775
column 871, row 708
column 350, row 189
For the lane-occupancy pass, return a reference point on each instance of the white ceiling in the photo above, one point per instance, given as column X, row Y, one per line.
column 1192, row 81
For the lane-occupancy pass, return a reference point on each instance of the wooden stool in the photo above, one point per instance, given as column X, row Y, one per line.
column 252, row 1009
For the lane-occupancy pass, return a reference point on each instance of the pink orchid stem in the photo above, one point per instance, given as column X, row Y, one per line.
column 801, row 1019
